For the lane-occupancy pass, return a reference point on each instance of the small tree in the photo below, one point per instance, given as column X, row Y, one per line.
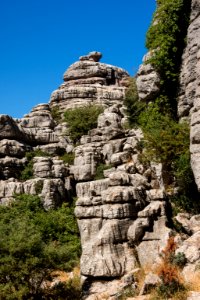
column 82, row 119
column 33, row 244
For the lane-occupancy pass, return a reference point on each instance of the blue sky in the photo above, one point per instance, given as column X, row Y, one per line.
column 39, row 39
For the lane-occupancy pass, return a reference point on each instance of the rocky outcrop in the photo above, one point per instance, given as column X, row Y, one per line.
column 188, row 101
column 122, row 208
column 124, row 212
column 90, row 82
column 147, row 80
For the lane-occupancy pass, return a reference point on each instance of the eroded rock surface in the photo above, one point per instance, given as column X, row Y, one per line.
column 89, row 81
column 147, row 80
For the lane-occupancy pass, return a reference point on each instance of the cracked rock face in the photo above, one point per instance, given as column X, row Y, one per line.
column 121, row 210
column 89, row 81
column 147, row 80
column 189, row 94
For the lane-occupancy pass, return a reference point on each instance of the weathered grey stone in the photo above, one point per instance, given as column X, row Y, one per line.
column 11, row 166
column 151, row 281
column 191, row 248
column 46, row 167
column 137, row 229
column 53, row 193
column 147, row 81
column 13, row 148
column 9, row 129
column 156, row 194
column 90, row 82
column 92, row 188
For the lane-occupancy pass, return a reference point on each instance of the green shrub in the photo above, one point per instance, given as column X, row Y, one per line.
column 99, row 171
column 67, row 290
column 27, row 172
column 68, row 158
column 164, row 139
column 167, row 141
column 33, row 244
column 166, row 37
column 134, row 107
column 82, row 119
column 178, row 259
column 56, row 114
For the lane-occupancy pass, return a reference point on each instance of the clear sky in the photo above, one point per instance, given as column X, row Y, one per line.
column 39, row 39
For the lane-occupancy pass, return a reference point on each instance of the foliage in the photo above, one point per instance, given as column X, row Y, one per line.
column 133, row 106
column 56, row 114
column 171, row 281
column 67, row 291
column 167, row 141
column 33, row 243
column 99, row 171
column 178, row 259
column 166, row 39
column 82, row 119
column 68, row 158
column 27, row 172
column 128, row 291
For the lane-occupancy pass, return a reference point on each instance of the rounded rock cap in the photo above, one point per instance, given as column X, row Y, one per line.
column 92, row 56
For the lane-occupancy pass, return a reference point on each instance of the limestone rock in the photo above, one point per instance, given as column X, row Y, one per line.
column 189, row 92
column 90, row 82
column 11, row 166
column 9, row 129
column 13, row 148
column 45, row 167
column 94, row 56
column 147, row 81
column 191, row 248
column 194, row 296
column 151, row 281
column 190, row 224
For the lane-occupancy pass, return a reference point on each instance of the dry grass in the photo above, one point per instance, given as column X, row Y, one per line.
column 194, row 281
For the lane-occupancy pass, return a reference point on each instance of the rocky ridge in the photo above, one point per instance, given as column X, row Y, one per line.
column 123, row 214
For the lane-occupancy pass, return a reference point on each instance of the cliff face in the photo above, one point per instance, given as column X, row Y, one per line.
column 120, row 215
column 188, row 102
column 123, row 216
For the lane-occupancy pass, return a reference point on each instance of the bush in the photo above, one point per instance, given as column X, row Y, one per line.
column 34, row 243
column 134, row 107
column 56, row 114
column 27, row 172
column 68, row 158
column 166, row 37
column 171, row 281
column 99, row 171
column 82, row 119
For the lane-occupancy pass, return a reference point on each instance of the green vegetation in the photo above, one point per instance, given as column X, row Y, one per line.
column 56, row 114
column 33, row 244
column 27, row 172
column 99, row 171
column 82, row 119
column 169, row 273
column 134, row 107
column 166, row 140
column 68, row 157
column 166, row 39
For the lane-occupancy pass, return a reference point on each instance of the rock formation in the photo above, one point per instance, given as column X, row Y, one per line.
column 189, row 95
column 90, row 82
column 124, row 214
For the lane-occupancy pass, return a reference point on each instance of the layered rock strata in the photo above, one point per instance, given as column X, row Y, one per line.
column 121, row 209
column 122, row 214
column 89, row 81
